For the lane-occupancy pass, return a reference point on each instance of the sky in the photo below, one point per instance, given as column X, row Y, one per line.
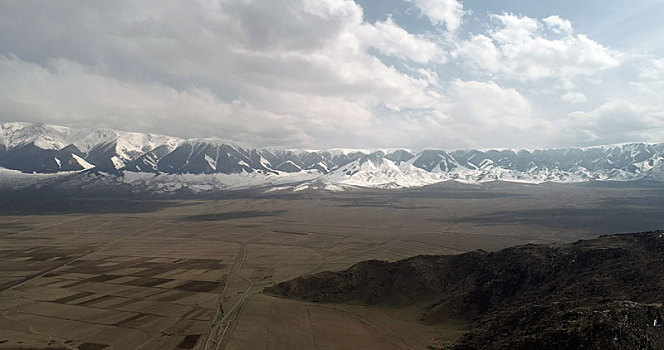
column 335, row 73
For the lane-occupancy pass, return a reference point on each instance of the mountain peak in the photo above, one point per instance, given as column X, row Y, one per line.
column 48, row 148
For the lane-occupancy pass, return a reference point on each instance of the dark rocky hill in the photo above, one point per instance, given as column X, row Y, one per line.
column 604, row 293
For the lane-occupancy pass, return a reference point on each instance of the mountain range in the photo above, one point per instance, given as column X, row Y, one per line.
column 36, row 148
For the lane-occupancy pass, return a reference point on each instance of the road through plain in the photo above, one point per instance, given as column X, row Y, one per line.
column 155, row 274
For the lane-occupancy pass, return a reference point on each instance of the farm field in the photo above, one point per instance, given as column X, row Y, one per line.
column 184, row 274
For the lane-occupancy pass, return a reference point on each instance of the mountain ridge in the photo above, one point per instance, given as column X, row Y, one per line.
column 42, row 148
column 602, row 293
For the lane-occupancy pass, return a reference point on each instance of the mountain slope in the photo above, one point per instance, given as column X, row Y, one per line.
column 604, row 293
column 50, row 149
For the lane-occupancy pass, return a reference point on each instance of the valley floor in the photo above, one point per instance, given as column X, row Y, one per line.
column 98, row 274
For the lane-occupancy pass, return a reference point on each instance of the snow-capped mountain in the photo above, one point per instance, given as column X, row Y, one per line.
column 203, row 164
column 49, row 148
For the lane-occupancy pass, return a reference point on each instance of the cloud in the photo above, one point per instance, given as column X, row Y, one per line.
column 651, row 68
column 632, row 112
column 67, row 92
column 472, row 114
column 558, row 25
column 317, row 74
column 448, row 12
column 615, row 122
column 392, row 40
column 574, row 97
column 521, row 48
column 499, row 106
column 294, row 73
column 491, row 113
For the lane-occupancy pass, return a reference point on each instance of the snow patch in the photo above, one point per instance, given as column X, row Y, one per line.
column 117, row 162
column 85, row 165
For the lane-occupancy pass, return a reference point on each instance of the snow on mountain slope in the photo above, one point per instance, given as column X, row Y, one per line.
column 213, row 163
column 57, row 137
column 14, row 179
column 169, row 183
column 43, row 136
column 42, row 148
column 374, row 171
column 85, row 165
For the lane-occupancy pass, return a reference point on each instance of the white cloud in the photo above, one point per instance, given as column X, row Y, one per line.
column 615, row 122
column 651, row 68
column 514, row 29
column 520, row 49
column 574, row 97
column 481, row 53
column 392, row 40
column 68, row 93
column 487, row 113
column 632, row 112
column 315, row 73
column 65, row 92
column 297, row 73
column 489, row 103
column 448, row 12
column 558, row 25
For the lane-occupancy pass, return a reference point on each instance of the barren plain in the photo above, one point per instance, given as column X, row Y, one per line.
column 114, row 273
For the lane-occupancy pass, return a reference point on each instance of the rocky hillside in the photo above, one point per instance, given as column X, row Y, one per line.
column 604, row 293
